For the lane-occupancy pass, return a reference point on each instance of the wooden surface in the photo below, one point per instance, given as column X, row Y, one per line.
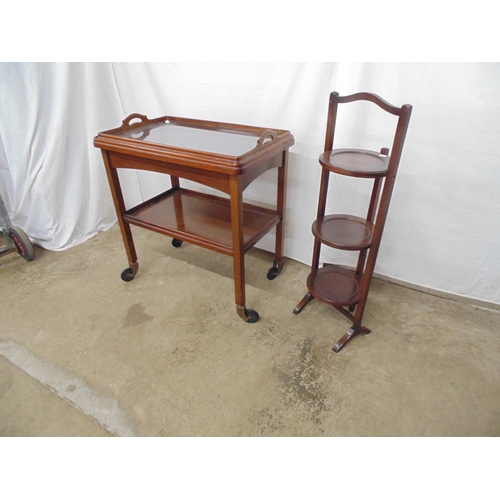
column 343, row 231
column 226, row 157
column 224, row 161
column 332, row 284
column 355, row 162
column 201, row 219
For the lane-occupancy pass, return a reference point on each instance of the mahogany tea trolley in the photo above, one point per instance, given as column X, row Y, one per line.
column 223, row 156
column 340, row 287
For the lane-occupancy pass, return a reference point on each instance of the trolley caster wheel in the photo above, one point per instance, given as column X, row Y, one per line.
column 247, row 315
column 275, row 270
column 176, row 243
column 272, row 273
column 22, row 243
column 251, row 315
column 128, row 274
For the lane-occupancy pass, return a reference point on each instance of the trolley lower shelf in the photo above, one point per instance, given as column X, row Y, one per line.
column 201, row 219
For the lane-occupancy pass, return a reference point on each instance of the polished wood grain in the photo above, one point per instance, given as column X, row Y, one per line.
column 116, row 140
column 201, row 219
column 334, row 285
column 227, row 157
column 355, row 162
column 331, row 284
column 343, row 231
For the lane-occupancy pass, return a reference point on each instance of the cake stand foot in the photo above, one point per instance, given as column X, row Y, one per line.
column 352, row 332
column 307, row 298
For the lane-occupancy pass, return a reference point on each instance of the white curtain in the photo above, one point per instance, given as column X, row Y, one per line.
column 51, row 177
column 443, row 229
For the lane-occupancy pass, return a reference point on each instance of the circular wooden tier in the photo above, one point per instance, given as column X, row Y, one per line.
column 346, row 232
column 355, row 162
column 334, row 285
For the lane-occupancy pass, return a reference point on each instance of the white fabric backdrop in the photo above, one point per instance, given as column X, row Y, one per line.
column 51, row 179
column 443, row 229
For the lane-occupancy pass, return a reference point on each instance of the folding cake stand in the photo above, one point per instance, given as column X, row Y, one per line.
column 333, row 284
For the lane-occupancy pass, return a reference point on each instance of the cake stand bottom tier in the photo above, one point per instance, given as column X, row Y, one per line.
column 334, row 285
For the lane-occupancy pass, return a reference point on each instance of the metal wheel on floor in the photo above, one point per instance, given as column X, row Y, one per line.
column 127, row 274
column 252, row 316
column 22, row 243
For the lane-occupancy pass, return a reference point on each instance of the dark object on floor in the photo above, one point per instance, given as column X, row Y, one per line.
column 12, row 238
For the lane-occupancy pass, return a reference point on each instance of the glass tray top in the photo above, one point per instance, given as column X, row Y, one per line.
column 200, row 139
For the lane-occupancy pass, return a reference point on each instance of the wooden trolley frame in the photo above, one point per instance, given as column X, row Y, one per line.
column 223, row 156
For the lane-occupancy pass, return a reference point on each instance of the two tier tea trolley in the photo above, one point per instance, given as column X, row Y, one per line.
column 223, row 156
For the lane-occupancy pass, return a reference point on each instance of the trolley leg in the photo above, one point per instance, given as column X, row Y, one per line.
column 248, row 315
column 280, row 228
column 116, row 191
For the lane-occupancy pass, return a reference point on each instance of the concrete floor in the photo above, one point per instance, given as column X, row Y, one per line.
column 85, row 354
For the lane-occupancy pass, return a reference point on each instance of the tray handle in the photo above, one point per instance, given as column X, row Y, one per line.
column 127, row 122
column 267, row 134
